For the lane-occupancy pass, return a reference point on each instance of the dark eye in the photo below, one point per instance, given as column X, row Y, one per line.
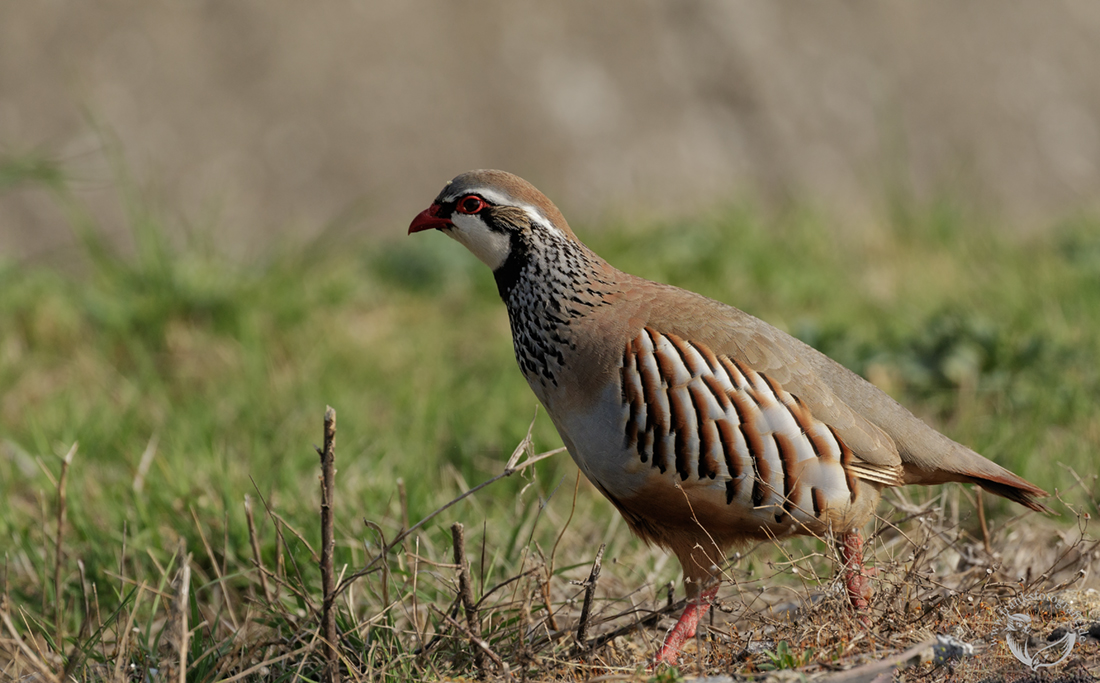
column 470, row 204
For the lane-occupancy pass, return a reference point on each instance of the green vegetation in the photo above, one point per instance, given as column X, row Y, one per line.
column 216, row 375
column 784, row 657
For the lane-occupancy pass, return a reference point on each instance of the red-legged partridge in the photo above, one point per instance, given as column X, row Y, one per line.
column 703, row 425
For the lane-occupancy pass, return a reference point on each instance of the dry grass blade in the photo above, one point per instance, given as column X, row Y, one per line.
column 146, row 461
column 283, row 524
column 61, row 508
column 176, row 630
column 74, row 657
column 403, row 498
column 40, row 668
column 478, row 642
column 123, row 645
column 254, row 541
column 267, row 663
column 508, row 471
column 217, row 571
column 883, row 670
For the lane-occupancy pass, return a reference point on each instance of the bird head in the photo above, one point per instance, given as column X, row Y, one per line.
column 494, row 214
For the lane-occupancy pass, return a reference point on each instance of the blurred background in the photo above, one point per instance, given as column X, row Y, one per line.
column 267, row 120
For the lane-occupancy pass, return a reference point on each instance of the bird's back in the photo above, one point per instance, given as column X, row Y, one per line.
column 879, row 431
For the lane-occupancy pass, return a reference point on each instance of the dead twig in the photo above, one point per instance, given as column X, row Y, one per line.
column 466, row 593
column 884, row 669
column 328, row 545
column 589, row 591
column 649, row 620
column 440, row 633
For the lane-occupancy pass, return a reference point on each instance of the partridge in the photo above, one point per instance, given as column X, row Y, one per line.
column 703, row 425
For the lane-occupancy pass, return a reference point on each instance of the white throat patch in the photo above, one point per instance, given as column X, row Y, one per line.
column 488, row 245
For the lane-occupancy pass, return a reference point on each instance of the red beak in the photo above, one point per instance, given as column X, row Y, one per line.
column 427, row 219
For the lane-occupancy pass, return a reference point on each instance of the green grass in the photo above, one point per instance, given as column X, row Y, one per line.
column 226, row 369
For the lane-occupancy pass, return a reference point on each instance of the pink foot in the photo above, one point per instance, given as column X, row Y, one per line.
column 856, row 577
column 685, row 627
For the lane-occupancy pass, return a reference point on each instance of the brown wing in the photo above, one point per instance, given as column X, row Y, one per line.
column 878, row 429
column 703, row 417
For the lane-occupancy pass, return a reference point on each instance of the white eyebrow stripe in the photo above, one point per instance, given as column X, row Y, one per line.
column 536, row 217
column 494, row 197
column 491, row 195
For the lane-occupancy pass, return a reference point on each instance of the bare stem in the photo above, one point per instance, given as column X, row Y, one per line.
column 466, row 593
column 589, row 591
column 328, row 545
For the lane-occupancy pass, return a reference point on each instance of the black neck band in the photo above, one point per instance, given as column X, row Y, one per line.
column 507, row 275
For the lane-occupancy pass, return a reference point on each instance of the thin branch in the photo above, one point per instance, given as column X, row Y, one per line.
column 328, row 545
column 466, row 593
column 647, row 621
column 589, row 591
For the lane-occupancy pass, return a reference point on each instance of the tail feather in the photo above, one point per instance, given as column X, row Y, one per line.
column 974, row 469
column 1020, row 492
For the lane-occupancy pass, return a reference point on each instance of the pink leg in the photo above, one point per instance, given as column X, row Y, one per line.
column 685, row 627
column 855, row 576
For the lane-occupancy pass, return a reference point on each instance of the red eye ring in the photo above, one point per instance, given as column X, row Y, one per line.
column 470, row 204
